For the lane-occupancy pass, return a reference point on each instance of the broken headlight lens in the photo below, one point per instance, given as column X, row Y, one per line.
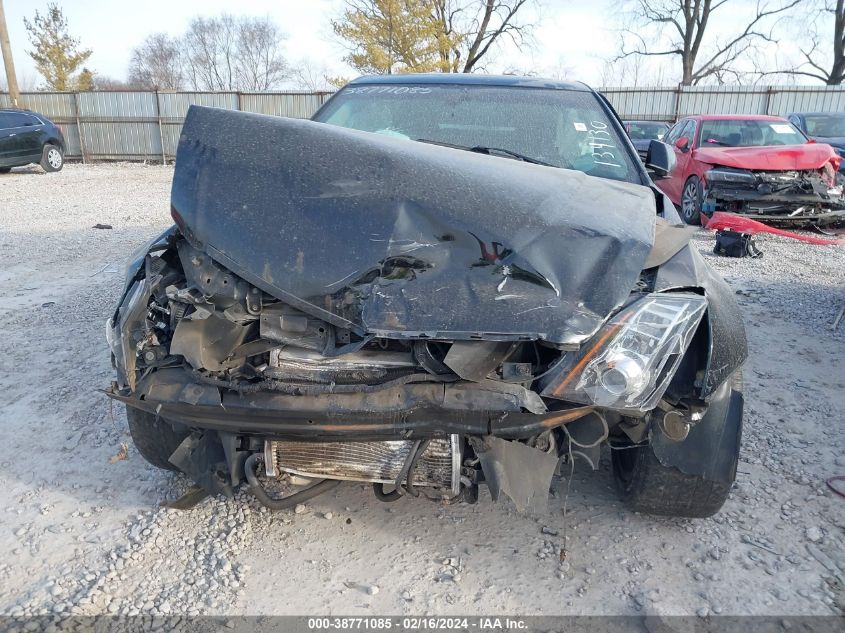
column 629, row 363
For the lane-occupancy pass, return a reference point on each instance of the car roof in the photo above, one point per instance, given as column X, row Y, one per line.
column 467, row 79
column 644, row 121
column 23, row 110
column 734, row 117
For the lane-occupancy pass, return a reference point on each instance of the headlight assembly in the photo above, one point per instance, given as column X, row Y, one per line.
column 629, row 363
column 734, row 176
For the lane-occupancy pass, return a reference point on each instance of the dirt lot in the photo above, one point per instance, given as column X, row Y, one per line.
column 81, row 530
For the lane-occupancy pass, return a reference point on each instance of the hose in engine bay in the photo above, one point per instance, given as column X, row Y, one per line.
column 324, row 485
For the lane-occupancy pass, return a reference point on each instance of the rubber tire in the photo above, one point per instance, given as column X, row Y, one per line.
column 648, row 486
column 695, row 217
column 5, row 170
column 154, row 437
column 45, row 164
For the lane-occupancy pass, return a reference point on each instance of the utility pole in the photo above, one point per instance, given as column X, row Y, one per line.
column 6, row 49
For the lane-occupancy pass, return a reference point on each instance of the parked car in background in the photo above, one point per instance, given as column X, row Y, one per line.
column 28, row 137
column 642, row 133
column 823, row 127
column 761, row 166
column 440, row 281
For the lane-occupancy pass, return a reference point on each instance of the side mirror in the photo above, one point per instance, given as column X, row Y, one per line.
column 682, row 143
column 660, row 159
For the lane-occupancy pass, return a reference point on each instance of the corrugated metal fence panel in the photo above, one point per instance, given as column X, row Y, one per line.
column 655, row 104
column 821, row 99
column 123, row 140
column 174, row 105
column 672, row 103
column 296, row 105
column 57, row 106
column 111, row 105
column 723, row 100
column 137, row 125
column 119, row 125
column 71, row 133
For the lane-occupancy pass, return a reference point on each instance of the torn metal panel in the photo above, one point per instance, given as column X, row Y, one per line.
column 209, row 342
column 521, row 472
column 282, row 323
column 475, row 360
column 202, row 458
column 404, row 239
column 668, row 240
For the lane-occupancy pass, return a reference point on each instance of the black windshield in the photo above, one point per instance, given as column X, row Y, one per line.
column 564, row 128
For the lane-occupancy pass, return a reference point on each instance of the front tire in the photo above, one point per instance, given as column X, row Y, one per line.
column 52, row 158
column 691, row 201
column 154, row 437
column 649, row 486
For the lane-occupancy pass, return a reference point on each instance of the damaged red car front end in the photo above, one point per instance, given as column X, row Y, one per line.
column 762, row 167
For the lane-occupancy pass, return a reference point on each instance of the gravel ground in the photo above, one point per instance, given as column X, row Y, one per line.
column 83, row 534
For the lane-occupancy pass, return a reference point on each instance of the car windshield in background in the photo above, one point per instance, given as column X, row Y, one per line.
column 563, row 128
column 646, row 130
column 749, row 133
column 825, row 125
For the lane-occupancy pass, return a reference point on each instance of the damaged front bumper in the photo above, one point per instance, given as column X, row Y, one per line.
column 242, row 373
column 405, row 412
column 796, row 198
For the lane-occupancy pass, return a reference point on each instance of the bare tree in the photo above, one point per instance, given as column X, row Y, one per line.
column 229, row 53
column 307, row 75
column 210, row 50
column 702, row 55
column 104, row 83
column 493, row 21
column 157, row 63
column 259, row 63
column 816, row 62
column 629, row 71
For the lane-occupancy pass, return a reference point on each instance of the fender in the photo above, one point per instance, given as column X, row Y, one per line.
column 710, row 449
column 727, row 345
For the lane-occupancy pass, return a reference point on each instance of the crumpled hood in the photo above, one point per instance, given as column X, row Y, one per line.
column 402, row 239
column 770, row 158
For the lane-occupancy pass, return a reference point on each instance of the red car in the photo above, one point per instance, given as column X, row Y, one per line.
column 761, row 166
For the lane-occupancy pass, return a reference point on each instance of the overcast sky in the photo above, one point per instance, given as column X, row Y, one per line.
column 572, row 40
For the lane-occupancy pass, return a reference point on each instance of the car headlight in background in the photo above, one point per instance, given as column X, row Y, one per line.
column 630, row 362
column 735, row 176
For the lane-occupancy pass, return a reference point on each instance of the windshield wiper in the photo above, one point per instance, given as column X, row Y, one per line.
column 490, row 151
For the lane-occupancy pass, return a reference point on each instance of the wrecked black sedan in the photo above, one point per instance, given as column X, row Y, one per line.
column 440, row 282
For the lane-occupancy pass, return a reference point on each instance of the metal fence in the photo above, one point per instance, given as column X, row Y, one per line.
column 670, row 104
column 137, row 125
column 133, row 125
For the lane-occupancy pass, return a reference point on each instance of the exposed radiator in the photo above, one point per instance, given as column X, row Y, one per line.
column 378, row 462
